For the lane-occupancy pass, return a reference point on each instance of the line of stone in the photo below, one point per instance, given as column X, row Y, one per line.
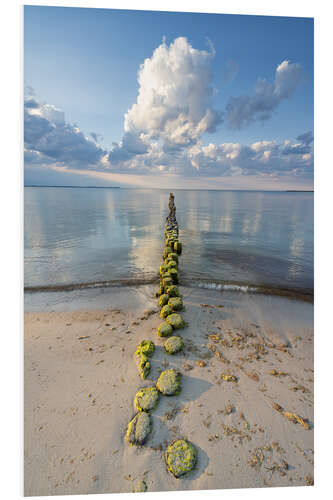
column 181, row 455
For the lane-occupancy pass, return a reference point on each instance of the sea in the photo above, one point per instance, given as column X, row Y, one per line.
column 250, row 241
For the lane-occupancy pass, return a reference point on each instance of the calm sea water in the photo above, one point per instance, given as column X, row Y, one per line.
column 92, row 236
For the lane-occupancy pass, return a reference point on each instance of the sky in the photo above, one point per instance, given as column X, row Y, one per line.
column 165, row 99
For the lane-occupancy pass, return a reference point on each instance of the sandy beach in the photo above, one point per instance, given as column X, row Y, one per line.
column 81, row 379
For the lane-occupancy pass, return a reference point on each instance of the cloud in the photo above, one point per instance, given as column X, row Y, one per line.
column 49, row 139
column 166, row 129
column 243, row 110
column 175, row 97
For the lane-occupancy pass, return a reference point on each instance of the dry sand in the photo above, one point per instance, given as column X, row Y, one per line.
column 81, row 379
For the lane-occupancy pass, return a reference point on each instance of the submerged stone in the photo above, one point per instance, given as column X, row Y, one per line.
column 172, row 256
column 173, row 345
column 175, row 320
column 167, row 282
column 163, row 300
column 166, row 251
column 164, row 329
column 176, row 303
column 174, row 275
column 180, row 457
column 171, row 264
column 173, row 291
column 138, row 428
column 146, row 399
column 178, row 247
column 168, row 382
column 165, row 311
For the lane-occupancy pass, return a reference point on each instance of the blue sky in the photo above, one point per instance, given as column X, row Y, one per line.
column 221, row 129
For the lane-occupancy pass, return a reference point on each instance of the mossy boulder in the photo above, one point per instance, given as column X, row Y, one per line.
column 143, row 365
column 178, row 247
column 166, row 251
column 146, row 399
column 164, row 329
column 163, row 269
column 173, row 291
column 175, row 320
column 176, row 303
column 141, row 486
column 172, row 256
column 171, row 264
column 167, row 282
column 139, row 428
column 174, row 275
column 173, row 345
column 163, row 300
column 168, row 383
column 180, row 457
column 165, row 311
column 146, row 347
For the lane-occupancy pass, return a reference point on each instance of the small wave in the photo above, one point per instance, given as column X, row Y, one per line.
column 226, row 286
column 306, row 295
column 95, row 284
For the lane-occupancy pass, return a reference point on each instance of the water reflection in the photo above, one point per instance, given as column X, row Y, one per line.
column 87, row 235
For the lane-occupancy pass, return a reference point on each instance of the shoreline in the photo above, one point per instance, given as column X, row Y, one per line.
column 79, row 360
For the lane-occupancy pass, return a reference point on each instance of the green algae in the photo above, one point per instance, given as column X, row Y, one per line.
column 143, row 365
column 176, row 303
column 178, row 247
column 146, row 399
column 166, row 251
column 168, row 382
column 163, row 300
column 164, row 329
column 180, row 457
column 138, row 428
column 167, row 282
column 141, row 486
column 173, row 345
column 165, row 311
column 146, row 347
column 174, row 275
column 172, row 256
column 173, row 291
column 175, row 320
column 171, row 264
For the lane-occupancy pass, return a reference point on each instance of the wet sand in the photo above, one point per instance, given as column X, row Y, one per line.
column 81, row 379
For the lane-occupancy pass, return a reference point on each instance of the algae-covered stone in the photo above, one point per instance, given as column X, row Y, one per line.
column 146, row 399
column 173, row 345
column 164, row 329
column 166, row 251
column 138, row 428
column 173, row 291
column 146, row 347
column 172, row 256
column 174, row 275
column 141, row 486
column 163, row 268
column 180, row 457
column 175, row 320
column 167, row 282
column 171, row 264
column 163, row 300
column 178, row 247
column 165, row 311
column 176, row 303
column 168, row 382
column 143, row 365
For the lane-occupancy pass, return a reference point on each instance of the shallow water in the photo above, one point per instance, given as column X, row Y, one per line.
column 114, row 236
